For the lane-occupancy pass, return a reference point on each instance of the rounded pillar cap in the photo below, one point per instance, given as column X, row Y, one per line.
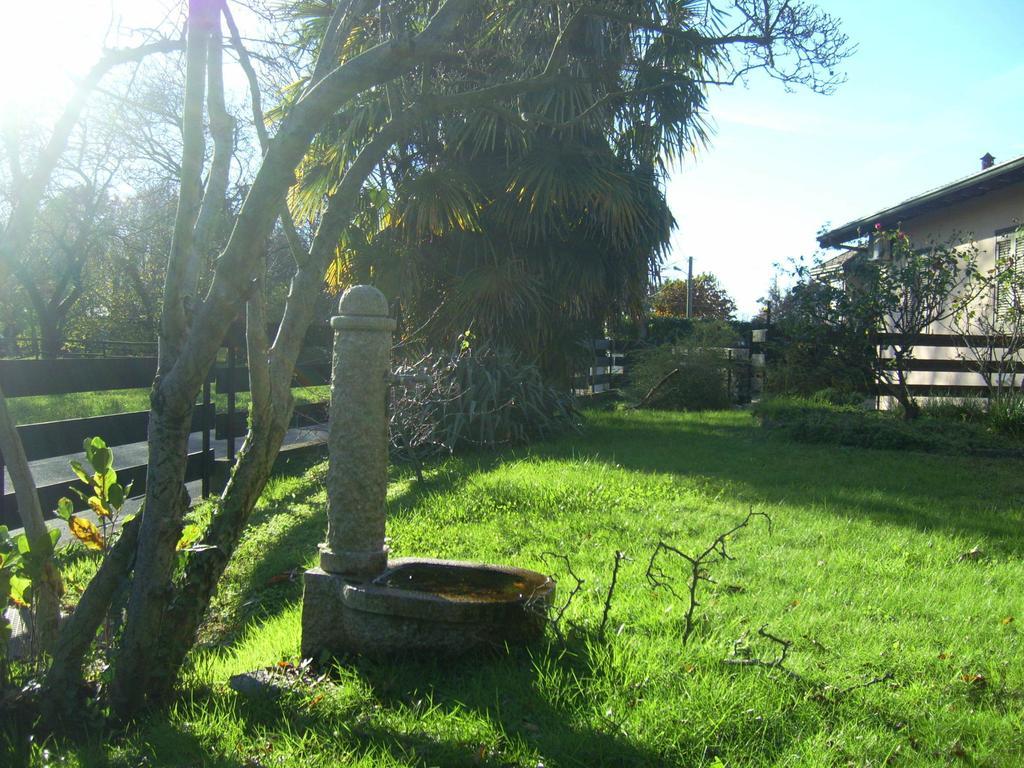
column 364, row 301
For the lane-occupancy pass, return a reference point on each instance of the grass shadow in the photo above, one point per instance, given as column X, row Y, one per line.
column 916, row 490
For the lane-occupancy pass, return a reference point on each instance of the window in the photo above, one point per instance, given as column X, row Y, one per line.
column 1009, row 298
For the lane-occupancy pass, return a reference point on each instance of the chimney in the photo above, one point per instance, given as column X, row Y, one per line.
column 987, row 161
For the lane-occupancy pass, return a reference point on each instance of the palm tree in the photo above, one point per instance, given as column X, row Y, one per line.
column 534, row 215
column 533, row 220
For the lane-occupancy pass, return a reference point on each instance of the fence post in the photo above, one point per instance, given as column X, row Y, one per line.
column 230, row 435
column 728, row 376
column 206, row 424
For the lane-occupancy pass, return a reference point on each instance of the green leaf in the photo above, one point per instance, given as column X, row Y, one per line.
column 65, row 508
column 20, row 590
column 189, row 535
column 101, row 459
column 76, row 467
column 54, row 536
column 22, row 542
column 115, row 494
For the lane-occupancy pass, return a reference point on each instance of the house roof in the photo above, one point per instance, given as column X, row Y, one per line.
column 988, row 180
column 834, row 265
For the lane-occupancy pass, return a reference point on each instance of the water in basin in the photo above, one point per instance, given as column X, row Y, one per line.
column 459, row 583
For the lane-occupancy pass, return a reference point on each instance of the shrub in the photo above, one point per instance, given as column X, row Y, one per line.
column 475, row 397
column 701, row 382
column 819, row 340
column 960, row 409
column 1005, row 415
column 810, row 420
column 1001, row 415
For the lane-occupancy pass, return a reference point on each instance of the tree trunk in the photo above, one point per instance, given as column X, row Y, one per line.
column 152, row 589
column 145, row 672
column 252, row 470
column 63, row 685
column 47, row 586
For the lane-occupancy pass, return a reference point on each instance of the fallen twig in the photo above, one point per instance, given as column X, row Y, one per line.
column 717, row 549
column 556, row 620
column 741, row 656
column 866, row 684
column 619, row 557
column 653, row 390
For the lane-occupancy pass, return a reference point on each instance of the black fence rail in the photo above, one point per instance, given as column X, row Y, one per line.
column 63, row 438
column 604, row 368
column 28, row 347
column 25, row 378
column 936, row 355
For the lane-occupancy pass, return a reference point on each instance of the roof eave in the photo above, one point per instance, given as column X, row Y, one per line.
column 980, row 183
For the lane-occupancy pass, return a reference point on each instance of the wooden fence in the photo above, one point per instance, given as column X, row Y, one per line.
column 23, row 378
column 604, row 368
column 609, row 362
column 942, row 365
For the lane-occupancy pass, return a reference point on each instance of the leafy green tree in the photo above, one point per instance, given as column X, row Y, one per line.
column 825, row 332
column 708, row 301
column 376, row 74
column 910, row 290
column 537, row 217
column 819, row 340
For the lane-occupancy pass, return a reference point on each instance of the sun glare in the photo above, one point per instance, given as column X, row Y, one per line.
column 44, row 48
column 41, row 53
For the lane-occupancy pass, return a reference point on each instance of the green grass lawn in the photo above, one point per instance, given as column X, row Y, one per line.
column 862, row 572
column 79, row 405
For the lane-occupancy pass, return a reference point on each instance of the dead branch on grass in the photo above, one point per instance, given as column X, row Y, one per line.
column 654, row 390
column 658, row 579
column 619, row 557
column 866, row 684
column 742, row 657
column 556, row 620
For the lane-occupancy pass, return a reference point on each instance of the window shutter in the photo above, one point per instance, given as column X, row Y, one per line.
column 1010, row 263
column 1003, row 298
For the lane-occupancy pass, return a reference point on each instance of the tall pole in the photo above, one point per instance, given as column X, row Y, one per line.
column 357, row 444
column 689, row 287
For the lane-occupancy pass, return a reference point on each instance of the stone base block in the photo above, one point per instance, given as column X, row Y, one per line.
column 423, row 606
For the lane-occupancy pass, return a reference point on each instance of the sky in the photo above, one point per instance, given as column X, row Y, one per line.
column 933, row 86
column 37, row 68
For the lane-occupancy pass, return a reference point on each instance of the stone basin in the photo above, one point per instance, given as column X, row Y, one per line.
column 421, row 605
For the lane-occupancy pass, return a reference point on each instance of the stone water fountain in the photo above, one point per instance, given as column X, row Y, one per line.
column 357, row 601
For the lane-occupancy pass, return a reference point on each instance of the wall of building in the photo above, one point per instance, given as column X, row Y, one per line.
column 974, row 221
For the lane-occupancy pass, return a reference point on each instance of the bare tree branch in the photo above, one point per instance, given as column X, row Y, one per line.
column 658, row 579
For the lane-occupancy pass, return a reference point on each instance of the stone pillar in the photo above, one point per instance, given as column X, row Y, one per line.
column 357, row 476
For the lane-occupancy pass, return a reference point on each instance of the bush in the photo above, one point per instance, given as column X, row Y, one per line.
column 814, row 420
column 1002, row 415
column 819, row 340
column 1005, row 415
column 475, row 397
column 700, row 384
column 667, row 330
